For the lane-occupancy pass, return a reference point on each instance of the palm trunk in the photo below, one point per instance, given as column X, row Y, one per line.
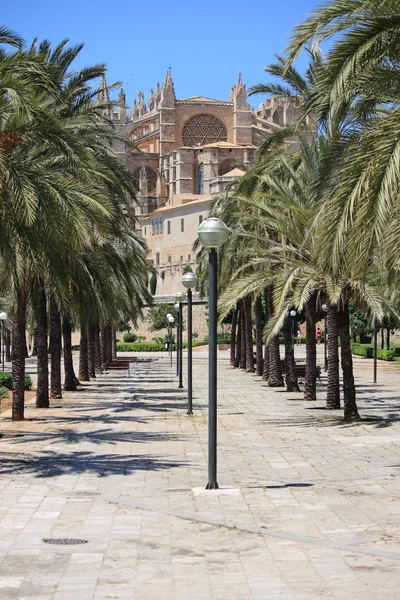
column 259, row 336
column 98, row 361
column 69, row 374
column 238, row 355
column 113, row 343
column 8, row 345
column 290, row 365
column 55, row 349
column 242, row 362
column 310, row 382
column 42, row 393
column 18, row 357
column 83, row 352
column 382, row 338
column 266, row 347
column 388, row 338
column 233, row 337
column 107, row 342
column 249, row 335
column 102, row 345
column 34, row 346
column 349, row 389
column 275, row 368
column 332, row 388
column 92, row 351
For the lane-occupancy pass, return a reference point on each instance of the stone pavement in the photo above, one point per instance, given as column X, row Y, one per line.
column 308, row 507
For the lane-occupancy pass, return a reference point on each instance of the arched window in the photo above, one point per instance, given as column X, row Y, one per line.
column 200, row 179
column 203, row 129
column 151, row 178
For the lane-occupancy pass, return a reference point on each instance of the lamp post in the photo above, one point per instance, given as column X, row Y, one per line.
column 325, row 309
column 3, row 317
column 180, row 297
column 189, row 280
column 293, row 313
column 176, row 307
column 213, row 233
column 171, row 321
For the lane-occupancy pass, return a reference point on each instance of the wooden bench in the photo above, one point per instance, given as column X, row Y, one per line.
column 118, row 365
column 301, row 370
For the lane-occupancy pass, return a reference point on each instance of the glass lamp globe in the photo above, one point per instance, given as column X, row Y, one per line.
column 189, row 280
column 293, row 313
column 324, row 307
column 180, row 297
column 213, row 233
column 176, row 306
column 3, row 316
column 169, row 316
column 171, row 319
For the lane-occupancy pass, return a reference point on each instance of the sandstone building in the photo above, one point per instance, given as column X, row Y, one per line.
column 188, row 150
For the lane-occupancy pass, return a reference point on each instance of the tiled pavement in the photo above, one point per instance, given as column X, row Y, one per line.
column 308, row 507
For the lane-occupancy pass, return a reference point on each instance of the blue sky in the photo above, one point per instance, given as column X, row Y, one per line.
column 205, row 42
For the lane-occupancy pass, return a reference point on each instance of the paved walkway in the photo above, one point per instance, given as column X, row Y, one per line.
column 308, row 507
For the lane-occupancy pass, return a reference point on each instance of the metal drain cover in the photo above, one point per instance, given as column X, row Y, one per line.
column 64, row 541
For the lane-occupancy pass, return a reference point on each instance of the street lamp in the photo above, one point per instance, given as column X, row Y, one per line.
column 189, row 280
column 213, row 233
column 3, row 317
column 293, row 313
column 176, row 307
column 325, row 309
column 171, row 321
column 180, row 297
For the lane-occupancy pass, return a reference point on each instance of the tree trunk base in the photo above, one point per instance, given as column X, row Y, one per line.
column 275, row 383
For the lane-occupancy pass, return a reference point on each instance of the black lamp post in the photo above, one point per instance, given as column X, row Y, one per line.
column 3, row 317
column 293, row 314
column 375, row 350
column 180, row 297
column 171, row 321
column 189, row 280
column 213, row 233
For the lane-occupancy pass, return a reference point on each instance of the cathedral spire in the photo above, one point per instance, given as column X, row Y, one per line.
column 168, row 92
column 121, row 105
column 103, row 94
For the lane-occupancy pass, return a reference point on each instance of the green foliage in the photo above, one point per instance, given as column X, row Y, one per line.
column 358, row 322
column 129, row 338
column 3, row 392
column 140, row 347
column 187, row 269
column 195, row 334
column 386, row 354
column 6, row 380
column 158, row 316
column 363, row 350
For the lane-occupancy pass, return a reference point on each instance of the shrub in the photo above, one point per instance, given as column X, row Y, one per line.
column 129, row 338
column 385, row 354
column 361, row 350
column 6, row 381
column 3, row 392
column 140, row 347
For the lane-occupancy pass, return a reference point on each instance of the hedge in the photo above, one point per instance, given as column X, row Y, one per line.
column 361, row 350
column 6, row 380
column 151, row 346
column 368, row 352
column 385, row 354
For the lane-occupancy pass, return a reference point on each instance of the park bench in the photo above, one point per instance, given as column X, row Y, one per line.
column 301, row 370
column 118, row 365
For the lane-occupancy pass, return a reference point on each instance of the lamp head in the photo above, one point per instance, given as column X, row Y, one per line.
column 171, row 319
column 3, row 316
column 324, row 307
column 176, row 306
column 293, row 313
column 180, row 297
column 189, row 280
column 168, row 316
column 213, row 233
